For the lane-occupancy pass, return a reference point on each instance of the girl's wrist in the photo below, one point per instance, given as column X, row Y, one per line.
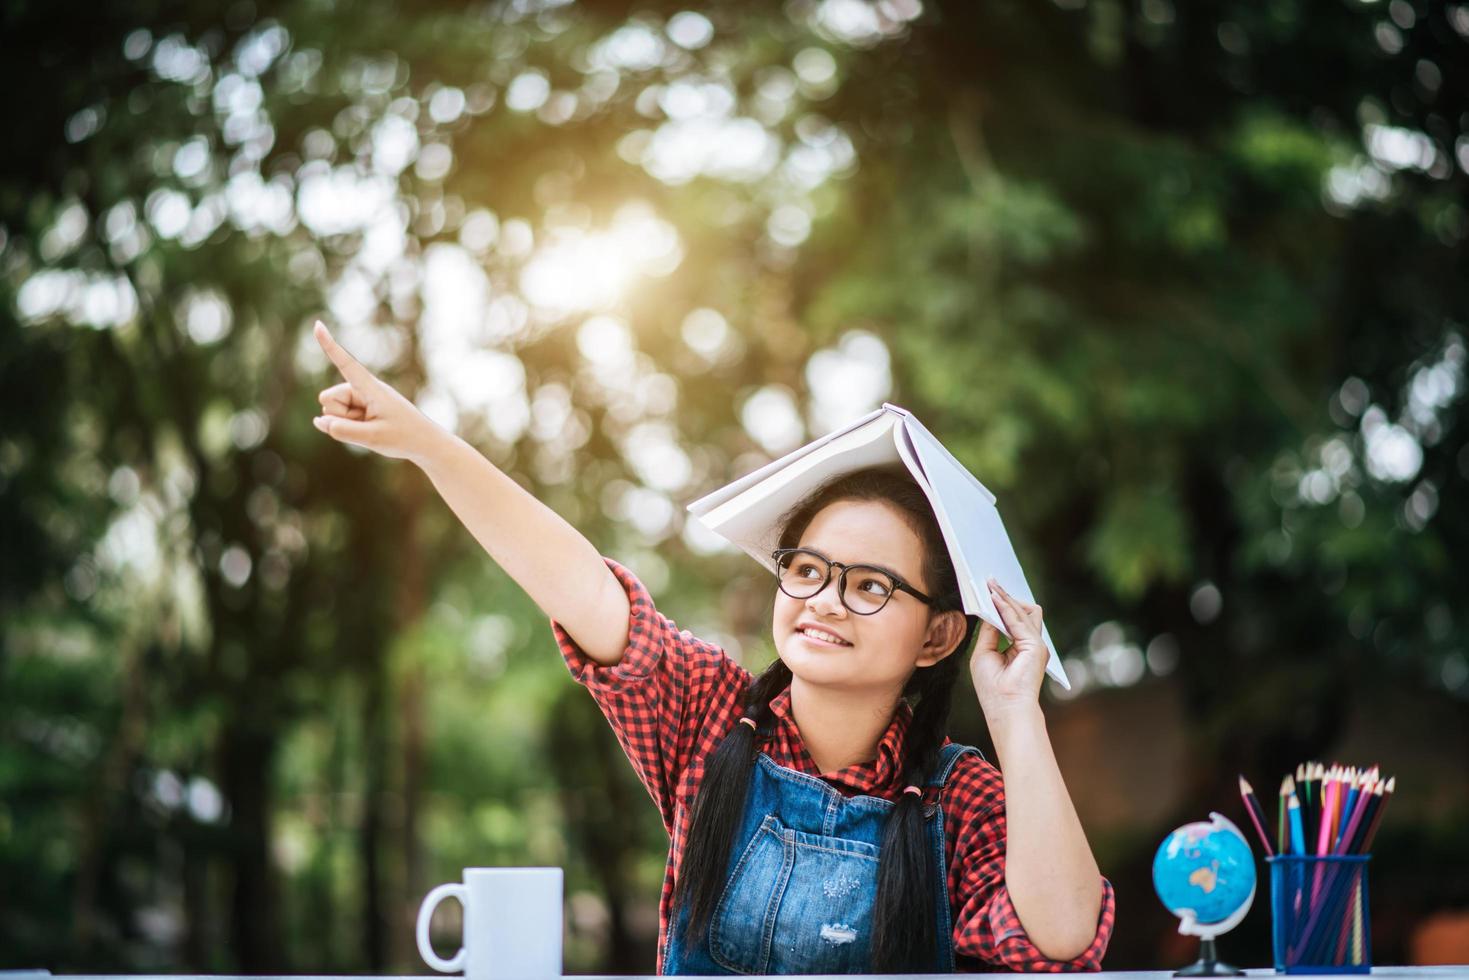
column 435, row 448
column 1003, row 718
column 1019, row 736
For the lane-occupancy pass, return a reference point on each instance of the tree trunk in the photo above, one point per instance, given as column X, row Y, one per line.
column 411, row 707
column 410, row 605
column 106, row 790
column 375, row 924
column 247, row 751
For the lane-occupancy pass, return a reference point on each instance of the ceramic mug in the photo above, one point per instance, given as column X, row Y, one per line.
column 512, row 924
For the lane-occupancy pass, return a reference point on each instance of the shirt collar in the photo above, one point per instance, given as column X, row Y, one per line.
column 881, row 775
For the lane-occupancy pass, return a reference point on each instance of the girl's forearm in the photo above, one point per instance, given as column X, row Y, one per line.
column 1050, row 873
column 551, row 560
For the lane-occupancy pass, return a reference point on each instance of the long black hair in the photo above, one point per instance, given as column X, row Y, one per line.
column 904, row 913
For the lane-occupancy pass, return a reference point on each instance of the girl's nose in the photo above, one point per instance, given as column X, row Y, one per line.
column 827, row 602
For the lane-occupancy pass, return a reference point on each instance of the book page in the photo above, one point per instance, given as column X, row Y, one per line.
column 976, row 536
column 751, row 518
column 729, row 491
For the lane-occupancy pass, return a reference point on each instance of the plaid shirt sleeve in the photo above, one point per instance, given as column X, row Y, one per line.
column 987, row 929
column 669, row 689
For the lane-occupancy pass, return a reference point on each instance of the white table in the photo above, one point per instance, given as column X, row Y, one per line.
column 1415, row 972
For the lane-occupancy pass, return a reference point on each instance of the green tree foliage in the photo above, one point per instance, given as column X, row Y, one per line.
column 1182, row 284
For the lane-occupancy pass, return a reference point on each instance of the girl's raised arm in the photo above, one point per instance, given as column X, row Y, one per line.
column 551, row 560
column 1050, row 873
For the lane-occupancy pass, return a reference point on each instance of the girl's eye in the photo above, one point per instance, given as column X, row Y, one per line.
column 873, row 586
column 807, row 569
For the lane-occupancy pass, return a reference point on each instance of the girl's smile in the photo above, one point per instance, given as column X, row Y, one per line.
column 819, row 636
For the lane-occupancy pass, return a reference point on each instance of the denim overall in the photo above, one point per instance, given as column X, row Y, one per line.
column 802, row 880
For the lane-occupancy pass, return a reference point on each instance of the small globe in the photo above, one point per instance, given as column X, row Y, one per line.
column 1205, row 874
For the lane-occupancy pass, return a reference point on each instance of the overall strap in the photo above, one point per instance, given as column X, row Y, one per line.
column 948, row 758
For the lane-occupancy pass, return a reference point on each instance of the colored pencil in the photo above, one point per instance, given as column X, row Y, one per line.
column 1352, row 824
column 1257, row 814
column 1387, row 791
column 1297, row 834
column 1321, row 785
column 1282, row 828
column 1336, row 807
column 1358, row 924
column 1352, row 787
column 1306, row 780
column 1328, row 797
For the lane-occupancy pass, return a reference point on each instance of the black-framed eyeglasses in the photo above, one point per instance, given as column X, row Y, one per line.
column 863, row 589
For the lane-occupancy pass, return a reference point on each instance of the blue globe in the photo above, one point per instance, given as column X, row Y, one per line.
column 1205, row 872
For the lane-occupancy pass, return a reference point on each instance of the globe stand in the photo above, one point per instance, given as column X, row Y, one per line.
column 1208, row 965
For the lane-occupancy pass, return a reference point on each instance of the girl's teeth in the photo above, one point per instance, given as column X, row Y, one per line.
column 828, row 637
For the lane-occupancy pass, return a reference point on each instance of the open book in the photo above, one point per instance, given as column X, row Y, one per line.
column 747, row 511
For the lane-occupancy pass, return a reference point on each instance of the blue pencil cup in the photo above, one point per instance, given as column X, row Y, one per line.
column 1319, row 916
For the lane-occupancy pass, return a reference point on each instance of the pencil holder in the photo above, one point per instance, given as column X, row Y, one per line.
column 1320, row 919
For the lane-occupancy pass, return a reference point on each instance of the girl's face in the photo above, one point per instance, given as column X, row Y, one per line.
column 827, row 645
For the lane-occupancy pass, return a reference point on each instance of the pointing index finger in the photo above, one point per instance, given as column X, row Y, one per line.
column 350, row 367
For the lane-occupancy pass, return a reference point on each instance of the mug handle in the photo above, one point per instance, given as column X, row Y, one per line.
column 454, row 963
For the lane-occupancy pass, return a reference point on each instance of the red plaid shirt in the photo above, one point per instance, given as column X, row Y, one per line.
column 673, row 697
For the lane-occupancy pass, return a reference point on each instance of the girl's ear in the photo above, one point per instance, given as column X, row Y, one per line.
column 945, row 631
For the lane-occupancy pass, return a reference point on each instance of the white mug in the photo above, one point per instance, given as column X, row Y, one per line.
column 512, row 924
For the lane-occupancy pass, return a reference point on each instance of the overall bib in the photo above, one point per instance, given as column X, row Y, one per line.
column 802, row 881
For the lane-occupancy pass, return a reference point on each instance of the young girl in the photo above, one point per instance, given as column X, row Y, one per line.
column 820, row 821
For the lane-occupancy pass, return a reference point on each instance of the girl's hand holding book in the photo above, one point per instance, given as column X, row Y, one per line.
column 1009, row 680
column 366, row 411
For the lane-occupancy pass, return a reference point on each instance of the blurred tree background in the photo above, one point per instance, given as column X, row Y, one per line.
column 1184, row 284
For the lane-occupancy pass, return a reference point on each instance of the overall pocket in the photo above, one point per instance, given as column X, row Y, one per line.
column 797, row 903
